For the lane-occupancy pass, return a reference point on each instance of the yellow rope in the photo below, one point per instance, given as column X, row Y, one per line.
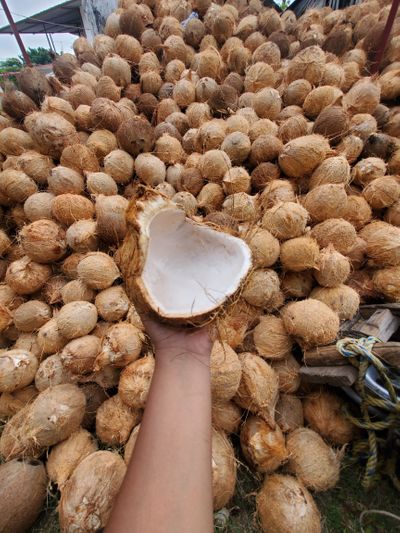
column 360, row 354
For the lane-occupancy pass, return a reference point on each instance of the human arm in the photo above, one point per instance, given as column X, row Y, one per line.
column 168, row 485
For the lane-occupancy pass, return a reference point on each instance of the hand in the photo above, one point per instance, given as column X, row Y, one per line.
column 177, row 342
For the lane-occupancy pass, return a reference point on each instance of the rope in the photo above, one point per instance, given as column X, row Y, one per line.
column 360, row 354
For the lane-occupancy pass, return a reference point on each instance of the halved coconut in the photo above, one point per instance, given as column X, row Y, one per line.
column 180, row 269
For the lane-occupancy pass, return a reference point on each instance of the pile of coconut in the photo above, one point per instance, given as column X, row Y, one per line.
column 248, row 161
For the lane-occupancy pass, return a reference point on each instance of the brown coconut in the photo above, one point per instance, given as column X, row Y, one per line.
column 258, row 389
column 223, row 469
column 382, row 243
column 323, row 411
column 68, row 208
column 121, row 345
column 43, row 241
column 76, row 290
column 97, row 480
column 17, row 104
column 226, row 416
column 17, row 369
column 25, row 276
column 225, row 372
column 332, row 268
column 334, row 170
column 135, row 381
column 135, row 135
column 81, row 236
column 308, row 64
column 296, row 92
column 263, row 174
column 368, row 169
column 297, row 284
column 100, row 183
column 63, row 180
column 51, row 132
column 36, row 166
column 326, row 201
column 336, row 231
column 332, row 123
column 382, row 192
column 265, row 148
column 31, row 315
column 23, row 485
column 112, row 304
column 284, row 504
column 287, row 370
column 79, row 355
column 267, row 103
column 301, row 156
column 342, row 299
column 292, row 127
column 386, row 282
column 66, row 456
column 76, row 319
column 98, row 270
column 115, row 420
column 262, row 289
column 264, row 247
column 271, row 339
column 15, row 142
column 214, row 164
column 363, row 97
column 289, row 412
column 285, row 220
column 110, row 215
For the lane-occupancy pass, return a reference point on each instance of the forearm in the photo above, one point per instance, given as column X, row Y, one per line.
column 168, row 486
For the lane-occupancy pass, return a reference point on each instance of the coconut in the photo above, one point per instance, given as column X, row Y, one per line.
column 382, row 243
column 31, row 315
column 214, row 164
column 258, row 389
column 97, row 480
column 392, row 215
column 297, row 284
column 267, row 103
column 351, row 147
column 357, row 254
column 49, row 338
column 95, row 396
column 100, row 183
column 5, row 243
column 387, row 282
column 192, row 180
column 263, row 174
column 226, row 416
column 271, row 339
column 115, row 420
column 23, row 485
column 284, row 504
column 34, row 83
column 150, row 169
column 211, row 197
column 301, row 156
column 147, row 104
column 323, row 411
column 382, row 192
column 106, row 114
column 262, row 447
column 119, row 165
column 51, row 417
column 237, row 123
column 112, row 304
column 296, row 92
column 210, row 136
column 149, row 63
column 53, row 104
column 43, row 241
column 36, row 166
column 17, row 369
column 268, row 53
column 135, row 135
column 81, row 236
column 17, row 104
column 76, row 319
column 16, row 186
column 298, row 315
column 342, row 299
column 121, row 345
column 186, row 202
column 205, row 88
column 332, row 269
column 64, row 180
column 98, row 270
column 333, row 75
column 269, row 21
column 64, row 67
column 333, row 170
column 320, row 98
column 308, row 64
column 363, row 125
column 76, row 290
column 237, row 146
column 68, row 208
column 223, row 469
column 264, row 247
column 277, row 192
column 287, row 370
column 134, row 383
column 336, row 231
column 110, row 215
column 51, row 291
column 265, row 148
column 25, row 276
column 15, row 142
column 241, row 206
column 80, row 95
column 285, row 220
column 224, row 100
column 118, row 69
column 326, row 201
column 225, row 372
column 292, row 127
column 51, row 372
column 258, row 76
column 289, row 413
column 65, row 456
column 311, row 460
column 363, row 97
column 254, row 40
column 51, row 132
column 107, row 88
column 103, row 45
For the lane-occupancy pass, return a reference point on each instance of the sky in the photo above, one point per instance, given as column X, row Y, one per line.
column 8, row 46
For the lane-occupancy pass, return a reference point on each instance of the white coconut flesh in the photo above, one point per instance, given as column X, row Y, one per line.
column 190, row 269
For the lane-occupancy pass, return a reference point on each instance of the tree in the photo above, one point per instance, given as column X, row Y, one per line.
column 11, row 64
column 39, row 56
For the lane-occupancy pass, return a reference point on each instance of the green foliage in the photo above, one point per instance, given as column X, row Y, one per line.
column 39, row 56
column 10, row 65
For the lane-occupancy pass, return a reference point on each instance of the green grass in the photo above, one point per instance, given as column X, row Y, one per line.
column 340, row 507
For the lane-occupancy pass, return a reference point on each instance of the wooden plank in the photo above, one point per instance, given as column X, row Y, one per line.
column 337, row 376
column 381, row 324
column 329, row 356
column 394, row 308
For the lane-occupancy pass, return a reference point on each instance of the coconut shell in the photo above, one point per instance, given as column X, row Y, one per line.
column 96, row 480
column 66, row 456
column 23, row 486
column 258, row 389
column 323, row 411
column 51, row 417
column 223, row 469
column 284, row 505
column 289, row 413
column 262, row 447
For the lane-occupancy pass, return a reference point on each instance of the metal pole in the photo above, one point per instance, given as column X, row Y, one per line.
column 17, row 36
column 385, row 36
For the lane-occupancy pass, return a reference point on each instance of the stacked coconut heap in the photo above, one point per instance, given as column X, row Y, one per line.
column 261, row 125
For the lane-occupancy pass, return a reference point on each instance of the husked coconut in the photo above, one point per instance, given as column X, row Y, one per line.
column 323, row 411
column 264, row 247
column 110, row 218
column 326, row 201
column 300, row 253
column 25, row 276
column 285, row 220
column 337, row 232
column 65, row 456
column 76, row 290
column 79, row 355
column 96, row 481
column 258, row 389
column 17, row 369
column 261, row 288
column 39, row 206
column 23, row 493
column 31, row 315
column 342, row 299
column 49, row 338
column 121, row 345
column 51, row 372
column 98, row 270
column 297, row 284
column 287, row 370
column 312, row 460
column 387, row 282
column 289, row 412
column 301, row 156
column 271, row 339
column 382, row 243
column 43, row 241
column 134, row 383
column 332, row 268
column 76, row 319
column 225, row 371
column 264, row 448
column 162, row 223
column 115, row 420
column 226, row 416
column 358, row 211
column 223, row 464
column 382, row 192
column 297, row 317
column 284, row 504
